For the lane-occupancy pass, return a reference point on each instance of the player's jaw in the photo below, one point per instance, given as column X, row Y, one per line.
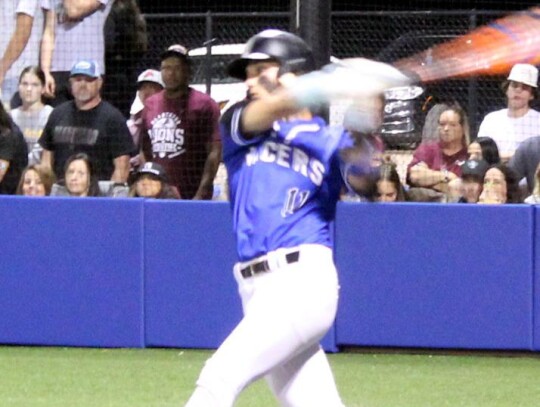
column 261, row 78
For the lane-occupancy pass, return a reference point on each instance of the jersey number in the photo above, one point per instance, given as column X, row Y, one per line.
column 295, row 200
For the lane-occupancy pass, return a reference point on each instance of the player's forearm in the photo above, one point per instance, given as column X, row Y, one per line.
column 260, row 114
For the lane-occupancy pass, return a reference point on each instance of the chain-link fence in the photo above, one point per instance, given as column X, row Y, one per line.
column 385, row 36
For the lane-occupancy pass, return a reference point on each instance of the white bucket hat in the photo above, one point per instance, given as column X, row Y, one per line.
column 524, row 73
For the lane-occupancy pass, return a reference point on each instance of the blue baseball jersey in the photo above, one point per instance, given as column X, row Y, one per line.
column 283, row 184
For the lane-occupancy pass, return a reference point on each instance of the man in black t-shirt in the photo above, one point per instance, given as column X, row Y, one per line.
column 88, row 124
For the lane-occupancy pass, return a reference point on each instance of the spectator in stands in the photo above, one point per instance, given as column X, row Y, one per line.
column 149, row 83
column 472, row 180
column 361, row 171
column 534, row 197
column 389, row 187
column 13, row 153
column 36, row 180
column 21, row 22
column 151, row 182
column 511, row 126
column 126, row 42
column 73, row 30
column 79, row 178
column 181, row 129
column 525, row 161
column 484, row 148
column 430, row 129
column 88, row 124
column 364, row 123
column 501, row 185
column 436, row 166
column 32, row 115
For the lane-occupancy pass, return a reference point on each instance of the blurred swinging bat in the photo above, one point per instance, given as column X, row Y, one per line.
column 488, row 50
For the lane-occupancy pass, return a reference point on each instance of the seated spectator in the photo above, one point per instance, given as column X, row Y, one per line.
column 149, row 83
column 534, row 198
column 436, row 166
column 389, row 188
column 79, row 179
column 36, row 180
column 526, row 160
column 501, row 186
column 472, row 180
column 88, row 124
column 13, row 153
column 484, row 148
column 361, row 171
column 511, row 126
column 32, row 115
column 430, row 129
column 151, row 182
column 360, row 175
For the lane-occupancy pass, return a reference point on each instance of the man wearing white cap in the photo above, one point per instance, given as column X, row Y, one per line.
column 149, row 82
column 511, row 126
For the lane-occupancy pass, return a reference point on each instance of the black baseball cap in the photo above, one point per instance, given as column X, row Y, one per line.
column 474, row 168
column 154, row 169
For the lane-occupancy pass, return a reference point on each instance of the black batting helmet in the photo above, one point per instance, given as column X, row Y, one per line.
column 289, row 50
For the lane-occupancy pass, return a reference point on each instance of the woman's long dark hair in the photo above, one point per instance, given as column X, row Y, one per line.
column 513, row 193
column 490, row 151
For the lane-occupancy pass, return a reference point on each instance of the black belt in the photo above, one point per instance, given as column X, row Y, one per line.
column 263, row 266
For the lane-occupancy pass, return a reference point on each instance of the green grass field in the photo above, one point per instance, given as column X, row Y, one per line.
column 75, row 377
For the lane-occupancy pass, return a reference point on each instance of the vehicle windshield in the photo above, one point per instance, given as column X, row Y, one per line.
column 217, row 71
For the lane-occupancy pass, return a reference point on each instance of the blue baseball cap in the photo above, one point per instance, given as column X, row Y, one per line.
column 87, row 68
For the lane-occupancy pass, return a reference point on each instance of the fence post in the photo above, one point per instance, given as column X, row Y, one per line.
column 472, row 88
column 311, row 20
column 209, row 41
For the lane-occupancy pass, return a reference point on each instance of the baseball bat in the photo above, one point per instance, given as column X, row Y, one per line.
column 488, row 50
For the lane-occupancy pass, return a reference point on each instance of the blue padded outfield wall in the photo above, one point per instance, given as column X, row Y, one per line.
column 71, row 272
column 133, row 273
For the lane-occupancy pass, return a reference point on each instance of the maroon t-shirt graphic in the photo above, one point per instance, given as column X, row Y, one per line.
column 176, row 133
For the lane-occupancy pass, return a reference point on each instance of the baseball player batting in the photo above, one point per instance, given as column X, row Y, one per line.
column 284, row 176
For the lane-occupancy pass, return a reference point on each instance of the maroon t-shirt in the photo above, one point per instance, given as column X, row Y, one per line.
column 435, row 159
column 176, row 133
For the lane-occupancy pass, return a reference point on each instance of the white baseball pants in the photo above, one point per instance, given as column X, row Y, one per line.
column 287, row 310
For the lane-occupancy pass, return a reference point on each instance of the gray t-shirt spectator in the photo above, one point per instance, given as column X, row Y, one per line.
column 75, row 40
column 526, row 159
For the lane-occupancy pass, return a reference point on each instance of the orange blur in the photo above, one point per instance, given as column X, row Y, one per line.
column 489, row 50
